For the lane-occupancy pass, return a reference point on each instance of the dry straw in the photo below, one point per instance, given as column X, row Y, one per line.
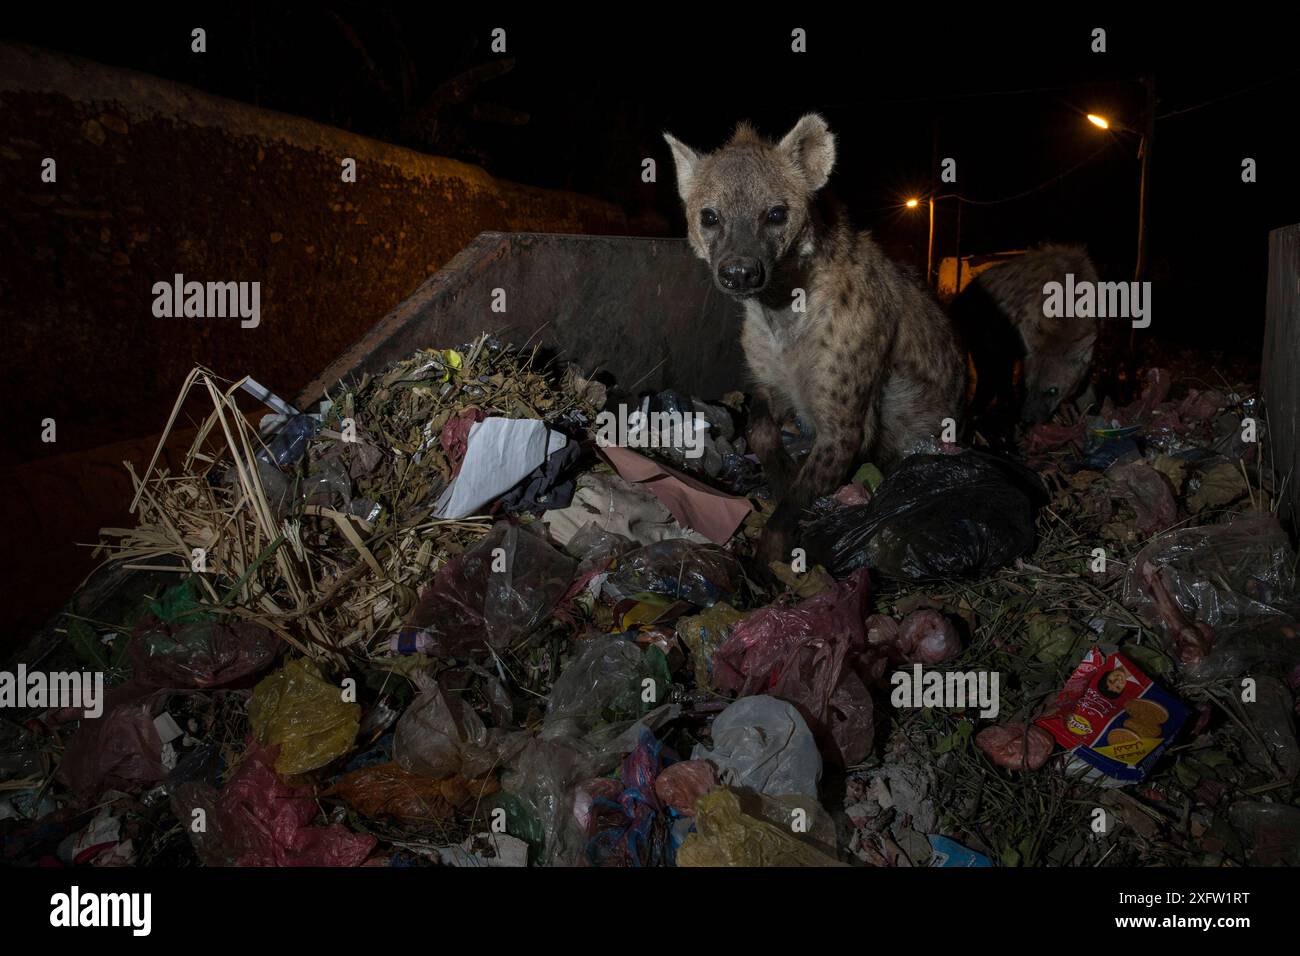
column 331, row 583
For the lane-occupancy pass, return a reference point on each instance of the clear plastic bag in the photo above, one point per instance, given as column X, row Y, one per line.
column 1270, row 832
column 539, row 797
column 441, row 735
column 701, row 574
column 1230, row 586
column 1272, row 718
column 487, row 597
column 1147, row 492
column 604, row 684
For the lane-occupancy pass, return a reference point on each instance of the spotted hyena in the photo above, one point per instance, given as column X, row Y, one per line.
column 1002, row 317
column 832, row 329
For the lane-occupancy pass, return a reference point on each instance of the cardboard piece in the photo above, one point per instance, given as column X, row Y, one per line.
column 694, row 504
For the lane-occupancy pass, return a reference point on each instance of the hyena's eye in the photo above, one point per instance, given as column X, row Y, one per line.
column 708, row 218
column 778, row 215
column 1052, row 392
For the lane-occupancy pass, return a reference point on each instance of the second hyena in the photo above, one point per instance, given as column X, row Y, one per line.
column 832, row 329
column 1002, row 316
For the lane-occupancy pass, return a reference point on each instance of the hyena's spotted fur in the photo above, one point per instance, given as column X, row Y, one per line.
column 1056, row 352
column 871, row 362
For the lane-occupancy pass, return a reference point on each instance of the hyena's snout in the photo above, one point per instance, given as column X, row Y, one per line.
column 741, row 274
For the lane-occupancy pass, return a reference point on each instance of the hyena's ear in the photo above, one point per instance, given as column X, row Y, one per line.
column 811, row 146
column 686, row 160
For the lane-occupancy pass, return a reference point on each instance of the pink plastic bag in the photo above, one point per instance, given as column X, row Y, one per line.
column 815, row 656
column 259, row 820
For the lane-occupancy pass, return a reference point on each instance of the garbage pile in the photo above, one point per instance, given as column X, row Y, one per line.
column 441, row 621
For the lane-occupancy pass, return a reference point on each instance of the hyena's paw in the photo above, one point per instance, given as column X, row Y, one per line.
column 777, row 540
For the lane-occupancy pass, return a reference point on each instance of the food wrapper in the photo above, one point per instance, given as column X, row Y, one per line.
column 1113, row 719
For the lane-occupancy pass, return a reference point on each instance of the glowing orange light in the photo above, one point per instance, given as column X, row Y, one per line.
column 1096, row 120
column 913, row 203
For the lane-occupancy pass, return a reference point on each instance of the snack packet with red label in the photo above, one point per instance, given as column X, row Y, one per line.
column 1113, row 719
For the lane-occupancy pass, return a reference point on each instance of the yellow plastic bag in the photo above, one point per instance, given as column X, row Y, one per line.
column 305, row 714
column 704, row 633
column 725, row 835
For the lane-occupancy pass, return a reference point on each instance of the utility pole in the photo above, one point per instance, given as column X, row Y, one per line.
column 929, row 251
column 957, row 252
column 1144, row 188
column 934, row 188
column 1144, row 149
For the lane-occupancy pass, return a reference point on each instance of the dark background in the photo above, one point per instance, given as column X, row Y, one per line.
column 582, row 97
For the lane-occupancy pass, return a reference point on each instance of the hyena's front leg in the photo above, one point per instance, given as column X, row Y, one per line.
column 847, row 410
column 765, row 442
column 825, row 470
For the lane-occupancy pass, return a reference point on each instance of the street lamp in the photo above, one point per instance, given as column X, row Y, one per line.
column 929, row 247
column 1145, row 137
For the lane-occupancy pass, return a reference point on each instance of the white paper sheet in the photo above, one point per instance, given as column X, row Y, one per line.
column 501, row 452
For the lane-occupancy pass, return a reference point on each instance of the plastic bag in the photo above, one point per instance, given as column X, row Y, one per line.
column 305, row 715
column 594, row 547
column 630, row 827
column 761, row 743
column 591, row 723
column 815, row 656
column 935, row 517
column 387, row 790
column 701, row 574
column 726, row 835
column 118, row 750
column 470, row 605
column 1272, row 747
column 203, row 654
column 704, row 633
column 440, row 735
column 1270, row 832
column 603, row 685
column 259, row 820
column 925, row 636
column 539, row 797
column 681, row 785
column 1225, row 594
column 1147, row 492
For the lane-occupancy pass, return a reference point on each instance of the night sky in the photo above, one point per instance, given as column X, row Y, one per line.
column 584, row 100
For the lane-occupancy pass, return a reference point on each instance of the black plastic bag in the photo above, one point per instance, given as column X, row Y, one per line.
column 935, row 517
